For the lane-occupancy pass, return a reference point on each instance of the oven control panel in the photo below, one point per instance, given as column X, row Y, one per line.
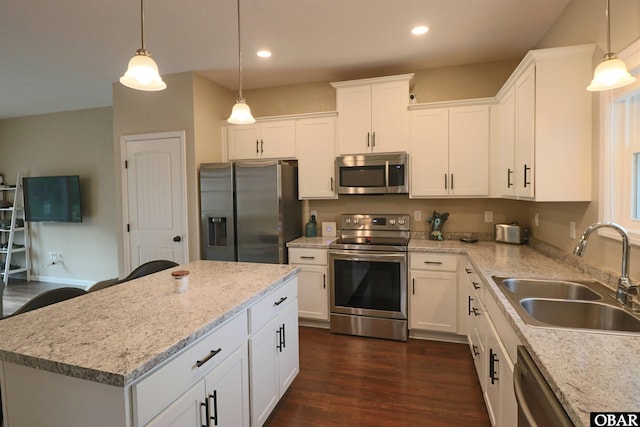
column 374, row 222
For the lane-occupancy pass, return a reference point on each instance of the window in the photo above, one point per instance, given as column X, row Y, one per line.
column 620, row 124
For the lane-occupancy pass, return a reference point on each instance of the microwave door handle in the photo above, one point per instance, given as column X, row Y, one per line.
column 386, row 174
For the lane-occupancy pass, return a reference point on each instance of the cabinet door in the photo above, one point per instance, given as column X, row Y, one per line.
column 494, row 359
column 288, row 357
column 390, row 117
column 354, row 119
column 525, row 88
column 469, row 151
column 433, row 301
column 263, row 381
column 243, row 142
column 429, row 152
column 313, row 293
column 316, row 139
column 278, row 139
column 506, row 144
column 227, row 388
column 187, row 411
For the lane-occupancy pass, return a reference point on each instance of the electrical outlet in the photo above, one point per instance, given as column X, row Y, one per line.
column 572, row 229
column 52, row 256
column 536, row 220
column 417, row 215
column 488, row 216
column 314, row 213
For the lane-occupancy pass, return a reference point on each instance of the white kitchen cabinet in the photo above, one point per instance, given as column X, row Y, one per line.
column 450, row 151
column 545, row 127
column 220, row 399
column 316, row 148
column 476, row 321
column 372, row 114
column 433, row 292
column 269, row 139
column 313, row 289
column 273, row 350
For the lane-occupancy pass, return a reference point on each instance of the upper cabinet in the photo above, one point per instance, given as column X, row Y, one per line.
column 544, row 148
column 316, row 141
column 269, row 139
column 450, row 150
column 373, row 115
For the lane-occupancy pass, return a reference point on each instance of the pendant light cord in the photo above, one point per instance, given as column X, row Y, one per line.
column 239, row 55
column 608, row 28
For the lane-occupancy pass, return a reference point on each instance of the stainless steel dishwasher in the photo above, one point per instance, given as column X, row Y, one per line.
column 537, row 405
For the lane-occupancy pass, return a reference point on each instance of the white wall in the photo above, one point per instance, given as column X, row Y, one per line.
column 68, row 143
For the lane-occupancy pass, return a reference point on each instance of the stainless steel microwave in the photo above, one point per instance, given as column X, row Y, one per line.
column 373, row 173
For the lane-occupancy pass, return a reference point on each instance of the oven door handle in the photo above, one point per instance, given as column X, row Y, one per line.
column 366, row 255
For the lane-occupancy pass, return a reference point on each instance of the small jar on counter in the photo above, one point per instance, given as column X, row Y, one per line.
column 180, row 281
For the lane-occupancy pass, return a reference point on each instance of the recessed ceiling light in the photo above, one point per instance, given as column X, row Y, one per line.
column 417, row 31
column 264, row 53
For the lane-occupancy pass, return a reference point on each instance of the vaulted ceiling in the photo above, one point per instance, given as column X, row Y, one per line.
column 64, row 54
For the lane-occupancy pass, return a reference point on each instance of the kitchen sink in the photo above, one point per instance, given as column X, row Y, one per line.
column 568, row 304
column 580, row 314
column 557, row 289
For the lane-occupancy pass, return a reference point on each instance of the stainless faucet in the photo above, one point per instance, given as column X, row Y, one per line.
column 626, row 290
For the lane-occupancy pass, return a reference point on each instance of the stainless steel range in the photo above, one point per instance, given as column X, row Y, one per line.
column 368, row 276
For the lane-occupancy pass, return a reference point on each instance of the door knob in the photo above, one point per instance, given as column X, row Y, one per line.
column 177, row 239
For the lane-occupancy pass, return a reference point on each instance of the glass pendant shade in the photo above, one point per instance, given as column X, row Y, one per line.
column 611, row 73
column 241, row 114
column 142, row 73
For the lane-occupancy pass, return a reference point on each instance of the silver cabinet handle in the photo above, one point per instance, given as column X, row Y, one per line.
column 307, row 257
column 373, row 140
column 368, row 139
column 261, row 146
column 257, row 142
column 509, row 173
column 433, row 262
column 332, row 184
column 446, row 181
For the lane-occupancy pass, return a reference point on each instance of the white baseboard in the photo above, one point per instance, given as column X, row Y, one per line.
column 85, row 284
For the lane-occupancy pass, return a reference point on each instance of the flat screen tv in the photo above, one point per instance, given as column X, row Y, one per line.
column 52, row 198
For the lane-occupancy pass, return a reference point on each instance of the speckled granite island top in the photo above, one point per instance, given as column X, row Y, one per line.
column 116, row 335
column 587, row 371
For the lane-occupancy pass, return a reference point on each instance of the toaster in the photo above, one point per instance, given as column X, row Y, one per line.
column 511, row 233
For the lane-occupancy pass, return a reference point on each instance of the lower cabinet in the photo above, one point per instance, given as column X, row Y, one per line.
column 273, row 353
column 493, row 346
column 433, row 292
column 313, row 284
column 220, row 399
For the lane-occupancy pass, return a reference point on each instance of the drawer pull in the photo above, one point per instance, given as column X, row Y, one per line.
column 433, row 262
column 307, row 257
column 208, row 357
column 283, row 299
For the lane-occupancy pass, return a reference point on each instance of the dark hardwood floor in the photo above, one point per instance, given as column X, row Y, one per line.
column 18, row 292
column 355, row 381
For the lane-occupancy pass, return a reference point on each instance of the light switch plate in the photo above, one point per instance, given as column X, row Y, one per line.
column 329, row 229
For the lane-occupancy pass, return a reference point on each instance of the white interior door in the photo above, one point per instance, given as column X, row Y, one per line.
column 155, row 202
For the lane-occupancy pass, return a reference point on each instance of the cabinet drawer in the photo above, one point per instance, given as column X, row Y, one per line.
column 433, row 261
column 307, row 256
column 269, row 306
column 160, row 388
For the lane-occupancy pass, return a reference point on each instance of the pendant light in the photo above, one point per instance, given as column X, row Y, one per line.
column 142, row 73
column 241, row 113
column 611, row 73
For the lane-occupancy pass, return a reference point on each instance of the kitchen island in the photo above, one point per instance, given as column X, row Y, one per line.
column 587, row 371
column 87, row 361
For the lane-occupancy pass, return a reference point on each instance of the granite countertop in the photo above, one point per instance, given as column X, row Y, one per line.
column 587, row 371
column 116, row 335
column 320, row 242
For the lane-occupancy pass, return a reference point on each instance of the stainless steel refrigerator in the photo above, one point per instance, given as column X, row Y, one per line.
column 249, row 211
